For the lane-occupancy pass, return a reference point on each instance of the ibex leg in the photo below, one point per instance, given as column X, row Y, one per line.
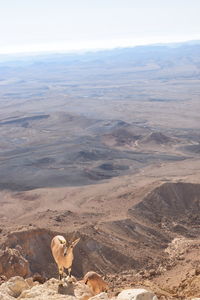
column 61, row 270
column 69, row 271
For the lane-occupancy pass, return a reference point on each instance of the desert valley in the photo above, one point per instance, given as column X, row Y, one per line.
column 104, row 146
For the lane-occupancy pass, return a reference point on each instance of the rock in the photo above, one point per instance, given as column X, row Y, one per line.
column 190, row 287
column 197, row 270
column 24, row 289
column 2, row 279
column 136, row 294
column 14, row 286
column 66, row 288
column 181, row 257
column 58, row 219
column 51, row 290
column 39, row 278
column 5, row 297
column 141, row 272
column 30, row 282
column 101, row 296
column 192, row 272
column 27, row 289
column 12, row 263
column 152, row 272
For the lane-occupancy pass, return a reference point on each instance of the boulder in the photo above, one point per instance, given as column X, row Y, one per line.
column 136, row 294
column 14, row 286
column 101, row 296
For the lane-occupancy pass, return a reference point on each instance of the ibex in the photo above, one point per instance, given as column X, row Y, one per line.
column 95, row 282
column 63, row 253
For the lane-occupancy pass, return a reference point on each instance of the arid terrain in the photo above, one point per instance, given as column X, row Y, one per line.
column 104, row 146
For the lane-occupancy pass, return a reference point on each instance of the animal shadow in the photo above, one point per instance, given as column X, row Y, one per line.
column 66, row 289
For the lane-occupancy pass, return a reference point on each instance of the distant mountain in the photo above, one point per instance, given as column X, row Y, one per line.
column 77, row 56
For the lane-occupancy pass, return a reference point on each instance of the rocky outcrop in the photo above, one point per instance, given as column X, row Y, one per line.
column 19, row 288
column 34, row 246
column 171, row 205
column 93, row 251
column 190, row 286
column 12, row 263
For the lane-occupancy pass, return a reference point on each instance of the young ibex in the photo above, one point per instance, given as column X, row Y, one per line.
column 95, row 282
column 63, row 254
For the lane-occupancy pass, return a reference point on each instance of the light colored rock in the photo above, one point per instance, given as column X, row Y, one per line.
column 22, row 289
column 51, row 290
column 101, row 296
column 136, row 294
column 14, row 286
column 42, row 293
column 5, row 297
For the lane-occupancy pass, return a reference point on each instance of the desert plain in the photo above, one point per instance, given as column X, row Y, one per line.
column 104, row 146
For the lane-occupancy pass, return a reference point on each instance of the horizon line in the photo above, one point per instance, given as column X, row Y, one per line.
column 90, row 46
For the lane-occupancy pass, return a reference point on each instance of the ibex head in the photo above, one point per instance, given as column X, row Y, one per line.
column 68, row 246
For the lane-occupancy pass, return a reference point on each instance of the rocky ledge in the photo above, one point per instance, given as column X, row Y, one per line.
column 28, row 289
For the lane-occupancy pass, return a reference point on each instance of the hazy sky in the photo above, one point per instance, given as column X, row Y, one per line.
column 34, row 25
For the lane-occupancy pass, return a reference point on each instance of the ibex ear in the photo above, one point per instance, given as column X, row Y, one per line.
column 75, row 242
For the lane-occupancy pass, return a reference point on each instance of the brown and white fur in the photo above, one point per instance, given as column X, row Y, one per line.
column 95, row 282
column 63, row 254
